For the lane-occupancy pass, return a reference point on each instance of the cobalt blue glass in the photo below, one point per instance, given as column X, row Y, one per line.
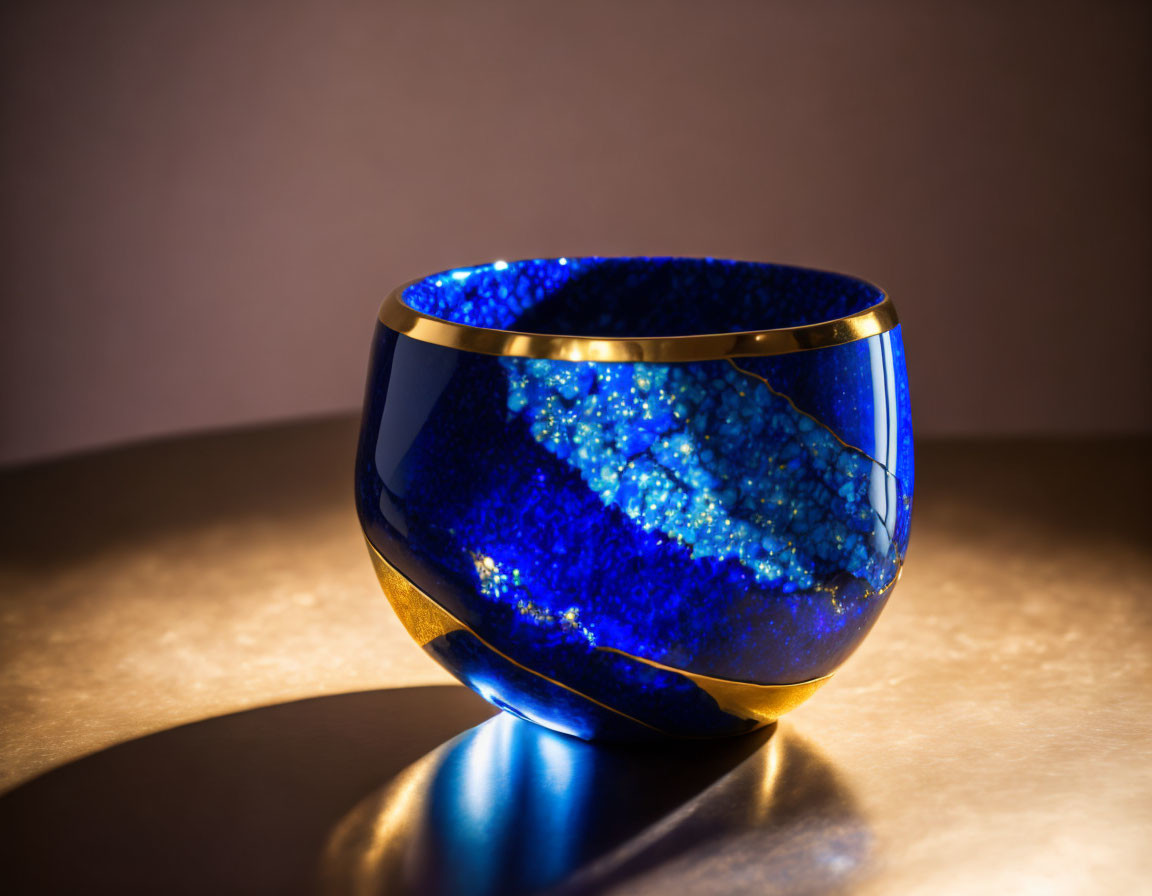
column 637, row 498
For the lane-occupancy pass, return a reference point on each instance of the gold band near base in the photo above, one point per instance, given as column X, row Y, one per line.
column 763, row 703
column 425, row 620
column 398, row 316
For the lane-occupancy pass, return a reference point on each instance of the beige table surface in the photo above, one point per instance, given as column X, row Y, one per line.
column 993, row 734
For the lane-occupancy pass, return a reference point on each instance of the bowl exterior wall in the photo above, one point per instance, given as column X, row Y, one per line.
column 633, row 550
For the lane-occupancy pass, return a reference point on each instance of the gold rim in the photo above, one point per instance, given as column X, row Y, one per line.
column 398, row 316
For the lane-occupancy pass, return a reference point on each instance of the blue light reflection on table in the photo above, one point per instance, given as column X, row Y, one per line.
column 510, row 808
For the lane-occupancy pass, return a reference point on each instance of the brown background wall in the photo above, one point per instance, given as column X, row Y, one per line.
column 203, row 202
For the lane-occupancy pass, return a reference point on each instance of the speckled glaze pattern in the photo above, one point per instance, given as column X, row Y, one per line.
column 689, row 296
column 740, row 519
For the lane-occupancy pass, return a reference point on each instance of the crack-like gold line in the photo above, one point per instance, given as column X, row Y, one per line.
column 425, row 620
column 428, row 620
column 814, row 419
column 762, row 702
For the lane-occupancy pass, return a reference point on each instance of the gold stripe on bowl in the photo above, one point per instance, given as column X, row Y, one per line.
column 425, row 620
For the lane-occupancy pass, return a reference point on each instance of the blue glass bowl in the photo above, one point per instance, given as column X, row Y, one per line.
column 632, row 498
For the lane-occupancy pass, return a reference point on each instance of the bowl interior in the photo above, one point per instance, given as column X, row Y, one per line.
column 638, row 297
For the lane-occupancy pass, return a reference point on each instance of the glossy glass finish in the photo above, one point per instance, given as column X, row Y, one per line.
column 599, row 529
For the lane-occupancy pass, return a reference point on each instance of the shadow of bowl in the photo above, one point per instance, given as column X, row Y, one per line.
column 242, row 803
column 252, row 802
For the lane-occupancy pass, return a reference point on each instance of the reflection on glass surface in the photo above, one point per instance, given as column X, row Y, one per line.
column 510, row 807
